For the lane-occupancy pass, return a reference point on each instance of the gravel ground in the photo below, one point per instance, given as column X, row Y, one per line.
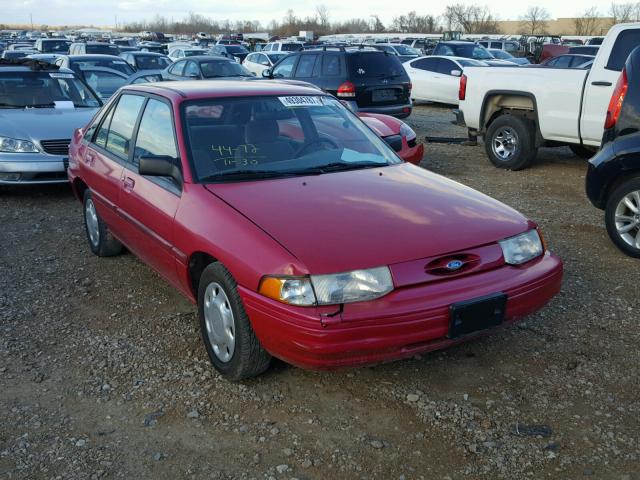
column 102, row 372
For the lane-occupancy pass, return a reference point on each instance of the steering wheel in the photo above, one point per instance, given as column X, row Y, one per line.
column 321, row 142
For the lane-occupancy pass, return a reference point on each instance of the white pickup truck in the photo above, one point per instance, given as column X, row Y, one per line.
column 519, row 109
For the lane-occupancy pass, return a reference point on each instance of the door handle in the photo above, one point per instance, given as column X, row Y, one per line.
column 128, row 184
column 600, row 83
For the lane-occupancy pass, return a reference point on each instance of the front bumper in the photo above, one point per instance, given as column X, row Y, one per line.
column 32, row 168
column 405, row 322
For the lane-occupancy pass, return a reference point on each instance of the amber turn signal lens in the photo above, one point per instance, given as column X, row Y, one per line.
column 542, row 240
column 271, row 287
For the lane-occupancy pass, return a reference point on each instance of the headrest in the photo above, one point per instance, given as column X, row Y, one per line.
column 261, row 131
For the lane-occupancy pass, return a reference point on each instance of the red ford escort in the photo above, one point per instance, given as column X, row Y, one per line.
column 297, row 231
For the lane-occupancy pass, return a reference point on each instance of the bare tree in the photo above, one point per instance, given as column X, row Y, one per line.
column 535, row 21
column 470, row 19
column 414, row 23
column 623, row 12
column 587, row 23
column 322, row 13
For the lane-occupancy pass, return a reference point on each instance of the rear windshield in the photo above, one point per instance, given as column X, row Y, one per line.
column 374, row 64
column 55, row 46
column 119, row 65
column 291, row 47
column 218, row 69
column 42, row 90
column 404, row 50
column 236, row 49
column 626, row 41
column 152, row 62
column 103, row 49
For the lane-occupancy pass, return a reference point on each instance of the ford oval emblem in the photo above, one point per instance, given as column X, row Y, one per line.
column 454, row 265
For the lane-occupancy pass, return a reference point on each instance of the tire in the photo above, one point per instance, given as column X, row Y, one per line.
column 231, row 343
column 627, row 241
column 101, row 242
column 582, row 151
column 514, row 136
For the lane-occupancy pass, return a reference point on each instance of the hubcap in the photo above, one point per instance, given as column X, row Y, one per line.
column 91, row 216
column 628, row 219
column 505, row 143
column 218, row 319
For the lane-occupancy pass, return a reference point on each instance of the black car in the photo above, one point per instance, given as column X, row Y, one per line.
column 146, row 60
column 230, row 51
column 367, row 79
column 205, row 67
column 613, row 179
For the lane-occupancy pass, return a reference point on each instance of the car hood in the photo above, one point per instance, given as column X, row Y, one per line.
column 43, row 123
column 365, row 218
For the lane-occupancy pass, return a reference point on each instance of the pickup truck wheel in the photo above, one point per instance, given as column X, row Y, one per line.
column 622, row 217
column 101, row 242
column 582, row 151
column 510, row 142
column 232, row 345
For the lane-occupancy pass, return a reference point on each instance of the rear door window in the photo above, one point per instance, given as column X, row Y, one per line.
column 191, row 70
column 427, row 64
column 177, row 68
column 497, row 45
column 446, row 66
column 331, row 65
column 626, row 41
column 123, row 122
column 563, row 62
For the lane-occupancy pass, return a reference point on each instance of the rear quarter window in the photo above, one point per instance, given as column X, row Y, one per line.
column 372, row 64
column 626, row 41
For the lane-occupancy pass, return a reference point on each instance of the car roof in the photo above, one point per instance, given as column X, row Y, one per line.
column 196, row 89
column 138, row 52
column 457, row 42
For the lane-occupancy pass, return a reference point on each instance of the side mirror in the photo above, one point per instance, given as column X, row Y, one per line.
column 267, row 73
column 160, row 166
column 456, row 73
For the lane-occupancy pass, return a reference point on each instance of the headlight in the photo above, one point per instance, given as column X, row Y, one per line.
column 334, row 289
column 407, row 131
column 522, row 248
column 14, row 145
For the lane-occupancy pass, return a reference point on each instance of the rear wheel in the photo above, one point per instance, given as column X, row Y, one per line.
column 101, row 242
column 510, row 142
column 232, row 345
column 582, row 151
column 622, row 217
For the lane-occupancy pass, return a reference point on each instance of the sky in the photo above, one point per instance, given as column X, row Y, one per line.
column 104, row 12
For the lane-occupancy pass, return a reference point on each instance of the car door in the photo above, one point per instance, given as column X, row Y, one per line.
column 149, row 204
column 422, row 73
column 601, row 82
column 103, row 166
column 448, row 86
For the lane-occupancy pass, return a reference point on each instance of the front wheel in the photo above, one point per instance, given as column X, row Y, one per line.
column 510, row 142
column 622, row 217
column 232, row 345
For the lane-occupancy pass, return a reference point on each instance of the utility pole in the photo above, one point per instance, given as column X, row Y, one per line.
column 31, row 20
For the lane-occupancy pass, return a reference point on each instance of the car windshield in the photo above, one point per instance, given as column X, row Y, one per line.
column 274, row 57
column 375, row 64
column 43, row 90
column 104, row 49
column 233, row 139
column 500, row 54
column 119, row 65
column 193, row 53
column 152, row 62
column 404, row 50
column 55, row 46
column 103, row 82
column 236, row 49
column 225, row 68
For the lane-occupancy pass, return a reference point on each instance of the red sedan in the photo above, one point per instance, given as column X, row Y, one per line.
column 397, row 134
column 297, row 231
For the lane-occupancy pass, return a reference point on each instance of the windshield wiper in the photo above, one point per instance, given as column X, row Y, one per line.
column 41, row 105
column 338, row 167
column 10, row 105
column 246, row 174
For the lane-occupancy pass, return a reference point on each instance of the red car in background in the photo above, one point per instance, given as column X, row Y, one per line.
column 397, row 134
column 296, row 230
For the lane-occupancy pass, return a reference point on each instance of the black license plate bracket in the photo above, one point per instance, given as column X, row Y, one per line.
column 476, row 314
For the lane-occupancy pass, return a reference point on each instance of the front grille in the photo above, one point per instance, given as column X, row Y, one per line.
column 56, row 147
